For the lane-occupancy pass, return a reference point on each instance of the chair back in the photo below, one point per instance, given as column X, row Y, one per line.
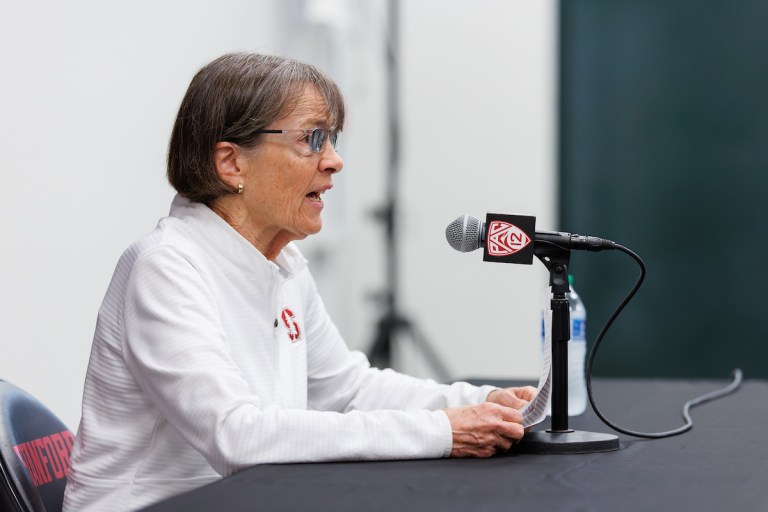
column 34, row 453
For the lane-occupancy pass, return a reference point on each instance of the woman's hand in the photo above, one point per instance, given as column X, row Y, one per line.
column 484, row 429
column 517, row 398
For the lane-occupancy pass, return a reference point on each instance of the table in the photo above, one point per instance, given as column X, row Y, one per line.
column 720, row 465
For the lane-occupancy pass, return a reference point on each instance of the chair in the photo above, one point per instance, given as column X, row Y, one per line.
column 34, row 453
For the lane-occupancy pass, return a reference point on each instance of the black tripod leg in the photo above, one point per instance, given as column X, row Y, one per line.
column 380, row 354
column 429, row 353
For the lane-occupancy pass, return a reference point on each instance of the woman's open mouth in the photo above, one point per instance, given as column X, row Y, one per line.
column 315, row 197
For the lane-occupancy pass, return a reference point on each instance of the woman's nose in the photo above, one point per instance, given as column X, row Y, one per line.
column 330, row 160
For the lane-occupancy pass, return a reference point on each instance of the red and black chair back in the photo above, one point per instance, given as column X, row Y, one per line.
column 34, row 453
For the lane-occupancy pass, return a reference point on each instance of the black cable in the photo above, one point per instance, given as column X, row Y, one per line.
column 736, row 374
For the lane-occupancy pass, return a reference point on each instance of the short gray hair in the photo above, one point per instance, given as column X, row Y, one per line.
column 229, row 100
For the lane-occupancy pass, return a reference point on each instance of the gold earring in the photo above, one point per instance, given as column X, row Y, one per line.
column 239, row 188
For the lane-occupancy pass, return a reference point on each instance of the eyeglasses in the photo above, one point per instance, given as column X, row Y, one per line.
column 315, row 138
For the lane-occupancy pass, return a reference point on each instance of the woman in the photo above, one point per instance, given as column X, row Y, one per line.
column 213, row 351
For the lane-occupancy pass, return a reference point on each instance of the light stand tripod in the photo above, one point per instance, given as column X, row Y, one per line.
column 559, row 438
column 392, row 322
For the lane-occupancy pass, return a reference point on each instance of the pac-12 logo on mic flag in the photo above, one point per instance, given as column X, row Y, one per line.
column 505, row 238
column 509, row 238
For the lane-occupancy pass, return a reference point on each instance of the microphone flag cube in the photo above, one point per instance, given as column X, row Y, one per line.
column 509, row 238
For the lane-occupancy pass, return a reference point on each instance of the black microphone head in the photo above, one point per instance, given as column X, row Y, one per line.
column 464, row 234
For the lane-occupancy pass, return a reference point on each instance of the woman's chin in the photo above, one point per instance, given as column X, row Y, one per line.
column 310, row 226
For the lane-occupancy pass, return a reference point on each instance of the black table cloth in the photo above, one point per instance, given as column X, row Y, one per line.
column 720, row 465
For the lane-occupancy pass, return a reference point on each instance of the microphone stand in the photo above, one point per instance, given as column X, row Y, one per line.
column 559, row 438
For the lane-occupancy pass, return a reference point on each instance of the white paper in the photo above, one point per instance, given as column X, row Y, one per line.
column 536, row 410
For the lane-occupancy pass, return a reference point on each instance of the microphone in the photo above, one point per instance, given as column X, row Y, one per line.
column 467, row 233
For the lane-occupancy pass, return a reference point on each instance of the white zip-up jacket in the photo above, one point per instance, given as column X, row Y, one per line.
column 208, row 359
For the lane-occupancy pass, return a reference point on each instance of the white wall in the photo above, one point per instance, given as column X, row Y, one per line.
column 479, row 89
column 88, row 93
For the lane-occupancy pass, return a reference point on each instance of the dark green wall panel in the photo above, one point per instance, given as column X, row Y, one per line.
column 664, row 148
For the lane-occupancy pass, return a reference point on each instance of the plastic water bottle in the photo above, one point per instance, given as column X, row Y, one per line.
column 577, row 350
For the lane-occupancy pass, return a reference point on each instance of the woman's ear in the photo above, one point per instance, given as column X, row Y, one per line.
column 228, row 165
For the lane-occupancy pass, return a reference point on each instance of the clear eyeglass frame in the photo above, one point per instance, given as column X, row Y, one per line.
column 316, row 137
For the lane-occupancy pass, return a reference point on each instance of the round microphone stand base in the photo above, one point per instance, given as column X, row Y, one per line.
column 573, row 441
